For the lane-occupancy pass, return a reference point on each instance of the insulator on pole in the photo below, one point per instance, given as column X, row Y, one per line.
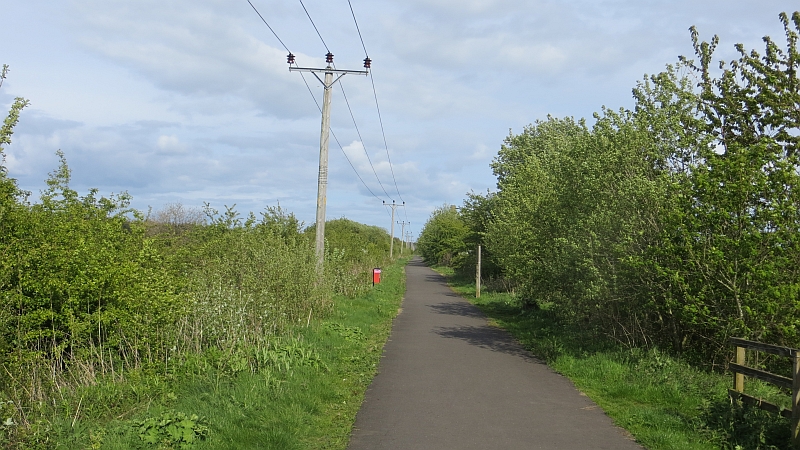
column 367, row 63
column 329, row 58
column 290, row 58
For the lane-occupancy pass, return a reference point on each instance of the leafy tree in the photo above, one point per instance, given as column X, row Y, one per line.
column 12, row 118
column 12, row 210
column 675, row 223
column 443, row 236
column 477, row 212
column 738, row 231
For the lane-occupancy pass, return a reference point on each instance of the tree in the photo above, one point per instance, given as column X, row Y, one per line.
column 737, row 236
column 11, row 213
column 11, row 119
column 443, row 236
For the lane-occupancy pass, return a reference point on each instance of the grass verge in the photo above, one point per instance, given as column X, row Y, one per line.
column 662, row 401
column 302, row 393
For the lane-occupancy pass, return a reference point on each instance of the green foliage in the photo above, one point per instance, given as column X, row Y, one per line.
column 91, row 290
column 286, row 355
column 357, row 242
column 11, row 119
column 443, row 236
column 352, row 250
column 172, row 430
column 309, row 405
column 102, row 308
column 477, row 213
column 349, row 334
column 572, row 204
column 79, row 276
column 736, row 225
column 663, row 401
column 675, row 224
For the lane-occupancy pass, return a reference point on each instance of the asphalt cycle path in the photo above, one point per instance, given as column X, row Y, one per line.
column 448, row 380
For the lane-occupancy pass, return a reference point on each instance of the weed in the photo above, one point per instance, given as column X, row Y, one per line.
column 349, row 334
column 172, row 429
column 287, row 354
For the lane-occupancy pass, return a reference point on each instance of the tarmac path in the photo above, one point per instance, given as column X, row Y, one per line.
column 448, row 380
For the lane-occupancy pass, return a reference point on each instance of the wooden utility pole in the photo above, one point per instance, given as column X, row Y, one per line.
column 391, row 240
column 322, row 179
column 478, row 275
column 403, row 235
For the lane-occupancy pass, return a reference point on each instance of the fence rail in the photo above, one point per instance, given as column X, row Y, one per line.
column 740, row 370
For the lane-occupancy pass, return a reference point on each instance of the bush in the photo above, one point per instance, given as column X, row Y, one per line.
column 443, row 237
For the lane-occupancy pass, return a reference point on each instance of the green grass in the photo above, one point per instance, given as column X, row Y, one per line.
column 303, row 394
column 662, row 401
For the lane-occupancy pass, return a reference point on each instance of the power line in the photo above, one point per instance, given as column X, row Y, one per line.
column 358, row 29
column 347, row 102
column 315, row 26
column 314, row 97
column 337, row 141
column 270, row 28
column 383, row 132
column 377, row 106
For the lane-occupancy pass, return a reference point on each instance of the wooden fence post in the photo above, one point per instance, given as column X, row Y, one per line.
column 740, row 370
column 478, row 275
column 796, row 399
column 738, row 382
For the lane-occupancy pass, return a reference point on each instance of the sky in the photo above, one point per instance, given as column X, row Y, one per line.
column 191, row 101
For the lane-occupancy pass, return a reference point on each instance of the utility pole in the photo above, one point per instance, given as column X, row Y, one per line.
column 322, row 179
column 391, row 241
column 403, row 235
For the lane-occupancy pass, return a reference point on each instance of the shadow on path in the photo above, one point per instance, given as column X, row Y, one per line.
column 450, row 381
column 487, row 337
column 457, row 309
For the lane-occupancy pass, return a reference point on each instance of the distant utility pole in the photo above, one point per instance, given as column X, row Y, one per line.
column 391, row 241
column 322, row 180
column 403, row 235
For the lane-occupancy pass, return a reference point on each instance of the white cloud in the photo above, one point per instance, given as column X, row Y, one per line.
column 171, row 145
column 192, row 101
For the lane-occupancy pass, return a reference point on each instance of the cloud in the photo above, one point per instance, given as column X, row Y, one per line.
column 192, row 101
column 199, row 50
column 171, row 145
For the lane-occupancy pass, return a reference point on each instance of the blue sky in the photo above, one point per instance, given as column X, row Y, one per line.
column 192, row 101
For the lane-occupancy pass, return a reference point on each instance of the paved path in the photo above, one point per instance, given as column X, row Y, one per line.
column 447, row 380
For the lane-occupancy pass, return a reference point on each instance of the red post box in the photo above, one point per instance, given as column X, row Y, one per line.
column 376, row 276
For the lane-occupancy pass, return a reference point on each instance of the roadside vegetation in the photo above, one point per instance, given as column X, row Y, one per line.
column 181, row 328
column 662, row 400
column 637, row 246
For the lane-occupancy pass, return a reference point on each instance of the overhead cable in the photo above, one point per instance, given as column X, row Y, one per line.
column 357, row 28
column 377, row 106
column 347, row 102
column 314, row 25
column 270, row 28
column 312, row 93
column 339, row 143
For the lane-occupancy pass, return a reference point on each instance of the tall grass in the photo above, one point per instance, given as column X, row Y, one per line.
column 112, row 303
